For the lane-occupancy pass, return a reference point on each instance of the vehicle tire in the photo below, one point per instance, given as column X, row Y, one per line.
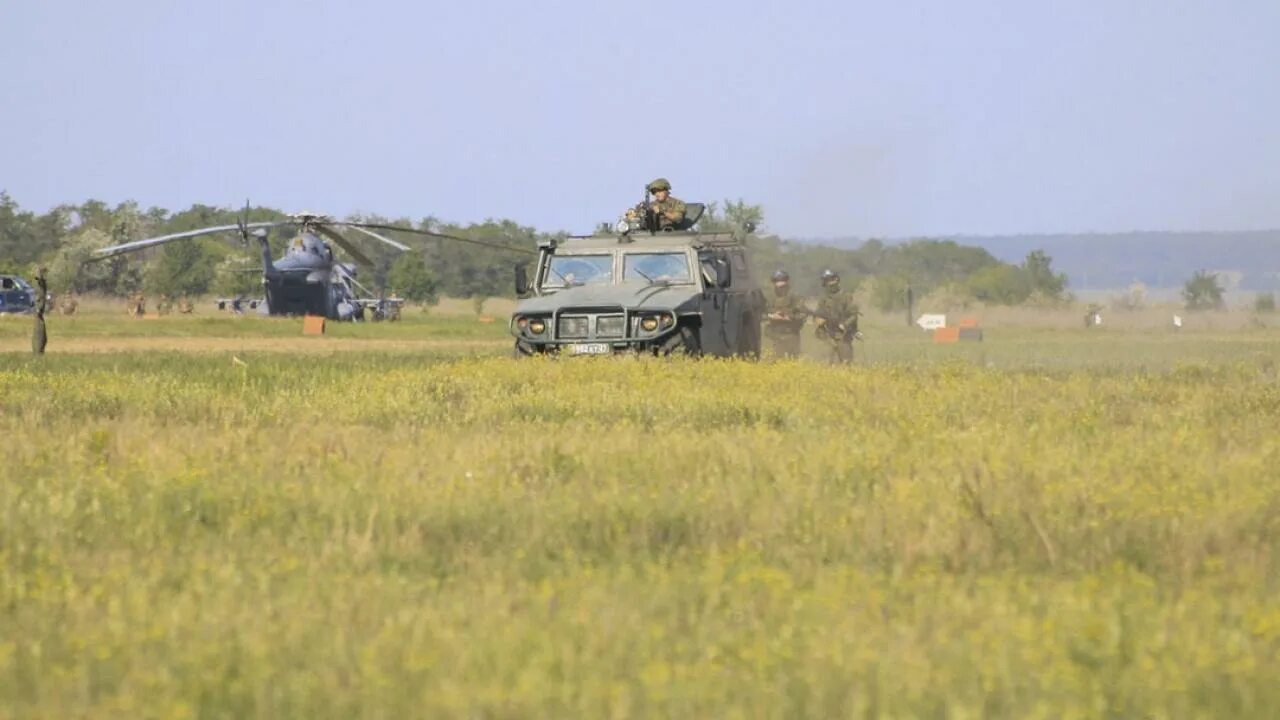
column 683, row 342
column 522, row 350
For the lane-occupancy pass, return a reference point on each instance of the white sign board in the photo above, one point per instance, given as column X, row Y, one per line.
column 1177, row 321
column 932, row 322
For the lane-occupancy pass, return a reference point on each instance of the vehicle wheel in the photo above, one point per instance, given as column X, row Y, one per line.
column 522, row 350
column 683, row 342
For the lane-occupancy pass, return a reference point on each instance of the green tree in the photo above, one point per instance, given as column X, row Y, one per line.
column 183, row 268
column 1000, row 285
column 410, row 278
column 1202, row 292
column 73, row 268
column 238, row 275
column 889, row 292
column 1041, row 278
column 1265, row 302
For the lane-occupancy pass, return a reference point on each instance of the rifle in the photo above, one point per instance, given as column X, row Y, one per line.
column 843, row 333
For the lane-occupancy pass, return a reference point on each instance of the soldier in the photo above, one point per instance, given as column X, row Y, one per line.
column 836, row 318
column 68, row 305
column 164, row 305
column 137, row 306
column 40, row 336
column 664, row 211
column 784, row 316
column 185, row 306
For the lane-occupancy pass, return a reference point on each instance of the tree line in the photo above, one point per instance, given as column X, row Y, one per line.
column 64, row 239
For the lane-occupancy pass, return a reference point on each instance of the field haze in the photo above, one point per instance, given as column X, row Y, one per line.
column 403, row 522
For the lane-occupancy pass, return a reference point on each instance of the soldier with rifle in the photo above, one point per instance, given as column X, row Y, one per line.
column 785, row 314
column 663, row 212
column 836, row 318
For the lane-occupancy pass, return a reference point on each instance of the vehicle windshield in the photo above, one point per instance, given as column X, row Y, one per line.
column 13, row 283
column 565, row 270
column 657, row 267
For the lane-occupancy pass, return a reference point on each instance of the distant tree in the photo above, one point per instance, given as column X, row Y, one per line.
column 1041, row 278
column 410, row 278
column 71, row 270
column 999, row 285
column 1265, row 302
column 889, row 292
column 238, row 275
column 1135, row 298
column 1202, row 292
column 730, row 216
column 183, row 268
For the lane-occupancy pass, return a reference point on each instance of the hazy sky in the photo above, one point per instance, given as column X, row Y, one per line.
column 841, row 118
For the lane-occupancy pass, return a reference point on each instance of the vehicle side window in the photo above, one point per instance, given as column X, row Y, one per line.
column 7, row 283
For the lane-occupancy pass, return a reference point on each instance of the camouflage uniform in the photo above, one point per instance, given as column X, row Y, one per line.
column 784, row 334
column 669, row 213
column 837, row 321
column 662, row 214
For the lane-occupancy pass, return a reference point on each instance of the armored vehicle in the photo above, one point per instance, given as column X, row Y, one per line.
column 635, row 290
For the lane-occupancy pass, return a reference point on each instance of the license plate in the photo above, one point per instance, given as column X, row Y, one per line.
column 589, row 349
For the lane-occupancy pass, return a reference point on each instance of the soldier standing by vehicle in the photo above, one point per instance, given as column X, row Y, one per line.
column 785, row 314
column 836, row 318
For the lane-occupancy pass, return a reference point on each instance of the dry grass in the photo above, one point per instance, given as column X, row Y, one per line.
column 1047, row 524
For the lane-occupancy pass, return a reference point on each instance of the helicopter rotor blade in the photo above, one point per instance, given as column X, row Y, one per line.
column 376, row 236
column 342, row 243
column 444, row 236
column 106, row 252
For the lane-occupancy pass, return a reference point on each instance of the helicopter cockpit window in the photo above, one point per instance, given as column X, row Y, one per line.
column 566, row 270
column 656, row 267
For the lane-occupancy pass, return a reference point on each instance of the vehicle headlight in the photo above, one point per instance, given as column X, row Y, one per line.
column 537, row 327
column 649, row 324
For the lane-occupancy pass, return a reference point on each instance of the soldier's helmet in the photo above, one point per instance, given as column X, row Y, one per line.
column 781, row 276
column 830, row 277
column 659, row 184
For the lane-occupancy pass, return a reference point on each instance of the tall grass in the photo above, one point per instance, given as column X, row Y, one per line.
column 394, row 535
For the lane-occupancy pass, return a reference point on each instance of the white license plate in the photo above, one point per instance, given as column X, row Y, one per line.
column 589, row 349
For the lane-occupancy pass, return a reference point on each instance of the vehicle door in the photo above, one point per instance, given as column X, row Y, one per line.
column 715, row 268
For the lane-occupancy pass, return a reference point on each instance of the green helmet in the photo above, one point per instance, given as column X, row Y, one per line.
column 659, row 184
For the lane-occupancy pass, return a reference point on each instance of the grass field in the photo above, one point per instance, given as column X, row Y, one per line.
column 216, row 517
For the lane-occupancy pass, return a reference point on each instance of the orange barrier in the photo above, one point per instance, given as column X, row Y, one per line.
column 313, row 325
column 946, row 335
column 968, row 322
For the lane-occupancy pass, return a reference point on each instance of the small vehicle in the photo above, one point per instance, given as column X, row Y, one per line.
column 638, row 290
column 16, row 295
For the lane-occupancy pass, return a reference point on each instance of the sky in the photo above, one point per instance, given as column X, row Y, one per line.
column 841, row 118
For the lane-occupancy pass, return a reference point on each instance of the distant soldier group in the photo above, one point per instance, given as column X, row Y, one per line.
column 137, row 305
column 835, row 318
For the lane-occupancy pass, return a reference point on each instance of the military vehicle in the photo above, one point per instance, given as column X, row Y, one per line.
column 16, row 295
column 633, row 289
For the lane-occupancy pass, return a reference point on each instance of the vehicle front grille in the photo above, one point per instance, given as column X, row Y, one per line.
column 610, row 326
column 572, row 327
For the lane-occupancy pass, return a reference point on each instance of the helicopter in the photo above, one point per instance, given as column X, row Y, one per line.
column 308, row 279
